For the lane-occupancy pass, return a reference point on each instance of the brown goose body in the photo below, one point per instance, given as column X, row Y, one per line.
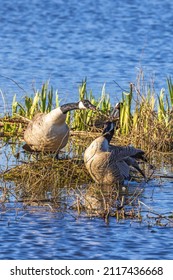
column 108, row 164
column 46, row 133
column 49, row 132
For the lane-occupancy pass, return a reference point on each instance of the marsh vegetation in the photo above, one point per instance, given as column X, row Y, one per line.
column 40, row 180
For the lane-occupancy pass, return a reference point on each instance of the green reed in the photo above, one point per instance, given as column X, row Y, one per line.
column 125, row 111
column 170, row 90
column 42, row 101
column 81, row 119
column 145, row 117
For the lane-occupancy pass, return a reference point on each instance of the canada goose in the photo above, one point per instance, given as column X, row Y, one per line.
column 49, row 132
column 109, row 164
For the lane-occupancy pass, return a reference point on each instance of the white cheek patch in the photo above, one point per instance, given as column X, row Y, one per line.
column 81, row 105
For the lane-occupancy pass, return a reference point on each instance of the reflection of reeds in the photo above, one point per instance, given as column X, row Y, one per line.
column 64, row 186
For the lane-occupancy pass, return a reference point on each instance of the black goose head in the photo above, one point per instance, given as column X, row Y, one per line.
column 108, row 130
column 83, row 104
column 86, row 104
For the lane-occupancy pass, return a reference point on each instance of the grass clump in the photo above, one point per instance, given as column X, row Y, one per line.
column 38, row 178
column 146, row 118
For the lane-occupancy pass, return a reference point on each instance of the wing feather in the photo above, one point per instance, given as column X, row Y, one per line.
column 128, row 151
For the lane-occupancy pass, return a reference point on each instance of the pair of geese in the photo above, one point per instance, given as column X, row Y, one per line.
column 106, row 163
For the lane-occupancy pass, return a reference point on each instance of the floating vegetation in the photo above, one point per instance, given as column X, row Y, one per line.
column 47, row 175
column 64, row 186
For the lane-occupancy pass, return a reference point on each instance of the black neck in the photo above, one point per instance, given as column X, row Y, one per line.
column 69, row 107
column 109, row 135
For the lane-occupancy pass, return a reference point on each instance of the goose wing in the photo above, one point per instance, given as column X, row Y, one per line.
column 36, row 121
column 126, row 157
column 119, row 169
column 132, row 162
column 128, row 151
column 123, row 169
column 104, row 168
column 34, row 127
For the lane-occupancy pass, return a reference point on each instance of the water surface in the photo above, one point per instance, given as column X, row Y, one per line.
column 38, row 232
column 66, row 41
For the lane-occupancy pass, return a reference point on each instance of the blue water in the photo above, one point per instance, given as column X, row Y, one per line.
column 47, row 237
column 34, row 232
column 66, row 41
column 41, row 234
